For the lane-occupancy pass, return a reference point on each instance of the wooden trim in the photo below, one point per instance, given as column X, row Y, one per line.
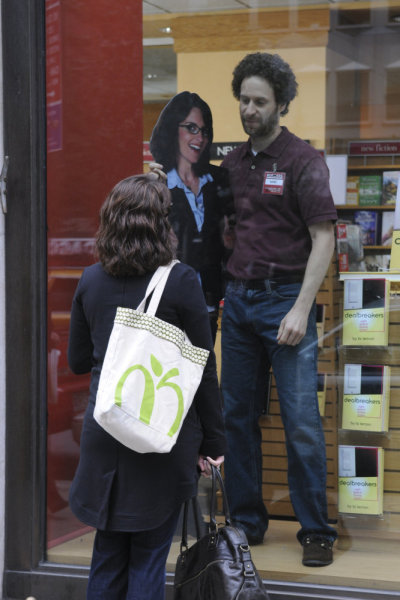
column 248, row 30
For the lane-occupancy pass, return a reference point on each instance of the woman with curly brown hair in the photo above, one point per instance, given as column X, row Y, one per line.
column 133, row 500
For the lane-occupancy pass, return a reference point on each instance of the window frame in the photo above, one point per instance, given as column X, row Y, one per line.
column 25, row 570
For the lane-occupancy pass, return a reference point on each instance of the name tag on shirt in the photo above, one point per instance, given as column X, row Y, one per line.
column 273, row 182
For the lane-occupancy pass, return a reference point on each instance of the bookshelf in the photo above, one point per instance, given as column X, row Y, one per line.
column 370, row 204
column 356, row 517
column 347, row 212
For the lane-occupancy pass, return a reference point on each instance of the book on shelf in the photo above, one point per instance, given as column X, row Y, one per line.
column 366, row 312
column 352, row 189
column 321, row 392
column 360, row 488
column 390, row 181
column 320, row 321
column 367, row 220
column 350, row 251
column 387, row 224
column 370, row 190
column 376, row 262
column 366, row 392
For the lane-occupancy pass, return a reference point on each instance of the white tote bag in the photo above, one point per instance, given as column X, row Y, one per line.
column 150, row 375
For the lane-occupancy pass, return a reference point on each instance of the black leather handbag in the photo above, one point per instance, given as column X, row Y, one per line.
column 218, row 566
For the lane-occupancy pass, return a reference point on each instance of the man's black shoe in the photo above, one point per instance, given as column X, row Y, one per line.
column 317, row 551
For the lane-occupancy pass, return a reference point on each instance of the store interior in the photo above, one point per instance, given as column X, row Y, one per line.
column 346, row 59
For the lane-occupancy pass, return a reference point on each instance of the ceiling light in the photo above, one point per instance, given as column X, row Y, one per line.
column 166, row 29
column 159, row 41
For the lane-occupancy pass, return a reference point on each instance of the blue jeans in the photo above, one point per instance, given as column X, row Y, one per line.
column 250, row 324
column 131, row 565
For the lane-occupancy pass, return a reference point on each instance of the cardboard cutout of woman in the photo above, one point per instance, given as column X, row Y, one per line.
column 201, row 197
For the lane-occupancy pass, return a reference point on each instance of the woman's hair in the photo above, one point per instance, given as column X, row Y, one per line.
column 274, row 70
column 164, row 143
column 134, row 236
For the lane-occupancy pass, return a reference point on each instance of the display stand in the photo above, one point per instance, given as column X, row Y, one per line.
column 362, row 519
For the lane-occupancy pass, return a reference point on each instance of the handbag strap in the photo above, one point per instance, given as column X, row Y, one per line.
column 216, row 476
column 156, row 285
column 196, row 509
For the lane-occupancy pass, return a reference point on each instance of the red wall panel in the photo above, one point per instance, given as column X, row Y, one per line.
column 101, row 105
column 94, row 139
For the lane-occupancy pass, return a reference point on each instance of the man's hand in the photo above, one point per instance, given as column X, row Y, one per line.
column 156, row 171
column 293, row 327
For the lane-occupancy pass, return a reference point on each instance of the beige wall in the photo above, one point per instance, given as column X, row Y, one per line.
column 209, row 74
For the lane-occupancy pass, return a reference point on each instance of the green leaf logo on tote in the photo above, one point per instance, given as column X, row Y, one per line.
column 147, row 405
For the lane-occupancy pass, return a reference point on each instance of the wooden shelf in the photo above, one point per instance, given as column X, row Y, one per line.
column 391, row 275
column 372, row 167
column 388, row 248
column 351, row 207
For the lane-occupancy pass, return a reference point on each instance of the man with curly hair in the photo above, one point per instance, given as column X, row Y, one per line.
column 282, row 244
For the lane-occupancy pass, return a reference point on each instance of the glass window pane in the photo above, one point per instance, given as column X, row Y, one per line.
column 345, row 59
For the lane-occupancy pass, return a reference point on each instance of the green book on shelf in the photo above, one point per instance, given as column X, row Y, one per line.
column 369, row 190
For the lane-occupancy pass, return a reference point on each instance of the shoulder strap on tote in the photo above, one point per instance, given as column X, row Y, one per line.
column 156, row 285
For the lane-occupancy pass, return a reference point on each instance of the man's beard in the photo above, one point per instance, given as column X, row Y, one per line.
column 263, row 129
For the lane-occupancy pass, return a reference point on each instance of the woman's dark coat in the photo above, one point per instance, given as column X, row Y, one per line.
column 115, row 488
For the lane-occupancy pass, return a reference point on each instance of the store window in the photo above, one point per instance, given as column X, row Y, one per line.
column 345, row 61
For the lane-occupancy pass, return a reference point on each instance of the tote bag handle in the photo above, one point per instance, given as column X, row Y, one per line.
column 156, row 285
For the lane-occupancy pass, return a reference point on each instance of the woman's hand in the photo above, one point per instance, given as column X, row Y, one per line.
column 204, row 463
column 156, row 171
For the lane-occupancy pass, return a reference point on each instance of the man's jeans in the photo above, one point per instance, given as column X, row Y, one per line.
column 250, row 325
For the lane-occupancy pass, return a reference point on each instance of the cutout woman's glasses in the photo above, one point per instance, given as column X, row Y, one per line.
column 195, row 129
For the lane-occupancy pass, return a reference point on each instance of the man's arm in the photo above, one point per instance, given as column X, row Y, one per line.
column 294, row 325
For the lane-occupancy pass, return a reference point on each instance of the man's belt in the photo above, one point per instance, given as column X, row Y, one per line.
column 259, row 284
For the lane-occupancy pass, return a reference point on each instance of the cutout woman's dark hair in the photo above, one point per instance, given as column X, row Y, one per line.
column 164, row 139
